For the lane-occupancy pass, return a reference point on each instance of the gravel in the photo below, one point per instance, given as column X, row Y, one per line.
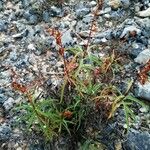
column 29, row 50
column 143, row 91
column 137, row 140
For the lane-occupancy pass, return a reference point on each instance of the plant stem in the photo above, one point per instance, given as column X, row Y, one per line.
column 99, row 7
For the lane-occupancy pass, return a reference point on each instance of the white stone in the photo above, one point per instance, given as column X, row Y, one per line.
column 106, row 10
column 115, row 3
column 137, row 8
column 104, row 40
column 107, row 16
column 143, row 91
column 92, row 3
column 143, row 110
column 19, row 148
column 125, row 126
column 31, row 47
column 135, row 45
column 143, row 57
column 18, row 35
column 144, row 13
column 119, row 3
column 8, row 104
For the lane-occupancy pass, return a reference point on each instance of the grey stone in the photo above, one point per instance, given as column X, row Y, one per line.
column 106, row 10
column 106, row 34
column 8, row 104
column 143, row 91
column 80, row 13
column 116, row 33
column 42, row 44
column 129, row 29
column 143, row 40
column 12, row 16
column 137, row 8
column 5, row 132
column 20, row 26
column 1, row 5
column 3, row 25
column 137, row 141
column 13, row 56
column 146, row 32
column 26, row 14
column 3, row 98
column 118, row 15
column 25, row 3
column 87, row 19
column 46, row 16
column 82, row 26
column 145, row 22
column 56, row 12
column 144, row 13
column 100, row 41
column 33, row 19
column 22, row 61
column 145, row 26
column 135, row 49
column 92, row 4
column 143, row 57
column 15, row 1
column 125, row 3
column 84, row 34
column 20, row 35
column 67, row 40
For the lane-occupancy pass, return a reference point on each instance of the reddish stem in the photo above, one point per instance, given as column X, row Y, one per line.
column 99, row 7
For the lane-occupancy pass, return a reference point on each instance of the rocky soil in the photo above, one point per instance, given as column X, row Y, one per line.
column 27, row 49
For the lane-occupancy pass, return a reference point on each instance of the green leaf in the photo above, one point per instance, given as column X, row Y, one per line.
column 66, row 126
column 126, row 115
column 62, row 91
column 95, row 59
column 129, row 97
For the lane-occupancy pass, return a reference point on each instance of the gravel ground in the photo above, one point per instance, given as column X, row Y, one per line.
column 27, row 49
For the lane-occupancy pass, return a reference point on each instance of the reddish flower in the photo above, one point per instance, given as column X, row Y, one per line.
column 143, row 77
column 97, row 72
column 67, row 114
column 19, row 87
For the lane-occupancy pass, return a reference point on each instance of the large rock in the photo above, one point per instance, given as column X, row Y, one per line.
column 144, row 13
column 144, row 22
column 137, row 141
column 143, row 91
column 143, row 57
column 5, row 132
